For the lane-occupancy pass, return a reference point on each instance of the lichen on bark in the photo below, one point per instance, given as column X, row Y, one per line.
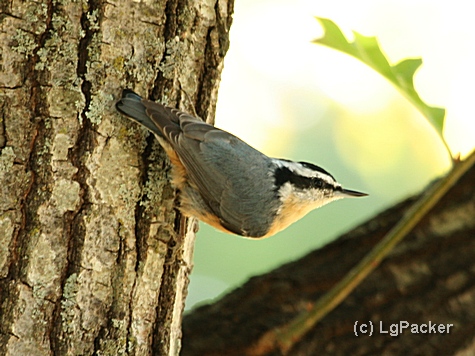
column 94, row 256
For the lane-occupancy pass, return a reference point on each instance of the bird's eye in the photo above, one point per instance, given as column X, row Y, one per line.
column 317, row 183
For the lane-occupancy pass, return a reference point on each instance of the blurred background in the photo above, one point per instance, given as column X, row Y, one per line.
column 293, row 99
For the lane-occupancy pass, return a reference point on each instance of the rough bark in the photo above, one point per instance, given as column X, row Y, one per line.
column 429, row 277
column 94, row 257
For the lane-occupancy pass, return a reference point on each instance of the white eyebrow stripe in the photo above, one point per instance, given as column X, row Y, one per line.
column 303, row 171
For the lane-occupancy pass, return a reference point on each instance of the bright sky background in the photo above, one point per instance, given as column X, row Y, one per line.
column 293, row 99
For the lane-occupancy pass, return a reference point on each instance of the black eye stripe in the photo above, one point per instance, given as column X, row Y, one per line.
column 284, row 175
column 318, row 183
column 311, row 166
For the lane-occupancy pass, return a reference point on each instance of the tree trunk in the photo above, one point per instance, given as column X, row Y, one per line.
column 94, row 257
column 428, row 279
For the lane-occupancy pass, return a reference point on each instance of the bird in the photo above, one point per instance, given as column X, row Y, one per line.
column 226, row 183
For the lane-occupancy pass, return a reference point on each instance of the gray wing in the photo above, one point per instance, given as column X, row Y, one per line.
column 232, row 177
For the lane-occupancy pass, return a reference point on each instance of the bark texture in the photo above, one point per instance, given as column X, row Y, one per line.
column 94, row 257
column 429, row 277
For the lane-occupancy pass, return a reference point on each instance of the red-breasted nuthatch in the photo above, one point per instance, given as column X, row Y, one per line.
column 226, row 183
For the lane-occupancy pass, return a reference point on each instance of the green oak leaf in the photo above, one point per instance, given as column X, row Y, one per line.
column 367, row 50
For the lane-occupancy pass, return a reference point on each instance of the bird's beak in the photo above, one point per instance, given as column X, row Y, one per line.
column 351, row 193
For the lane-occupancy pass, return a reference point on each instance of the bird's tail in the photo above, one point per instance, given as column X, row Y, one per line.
column 131, row 105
